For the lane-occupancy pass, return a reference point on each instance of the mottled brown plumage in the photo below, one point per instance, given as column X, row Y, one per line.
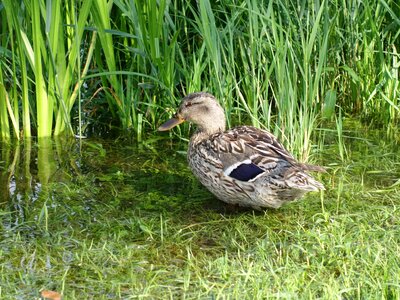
column 244, row 165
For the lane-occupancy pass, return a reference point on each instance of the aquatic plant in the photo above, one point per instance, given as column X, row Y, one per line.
column 109, row 219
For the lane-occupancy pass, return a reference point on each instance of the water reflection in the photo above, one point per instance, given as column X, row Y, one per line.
column 29, row 165
column 80, row 174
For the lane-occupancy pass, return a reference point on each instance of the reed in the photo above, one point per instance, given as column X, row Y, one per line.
column 148, row 48
column 274, row 64
column 364, row 57
column 4, row 123
column 45, row 40
column 266, row 64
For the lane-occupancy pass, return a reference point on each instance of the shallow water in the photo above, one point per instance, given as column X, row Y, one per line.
column 150, row 174
column 82, row 216
column 153, row 175
column 81, row 180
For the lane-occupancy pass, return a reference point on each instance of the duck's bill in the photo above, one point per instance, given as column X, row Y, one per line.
column 171, row 124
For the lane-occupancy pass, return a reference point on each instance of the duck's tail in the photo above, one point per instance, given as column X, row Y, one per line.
column 298, row 178
column 312, row 168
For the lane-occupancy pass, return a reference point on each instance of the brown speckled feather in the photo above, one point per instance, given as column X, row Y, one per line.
column 246, row 142
column 284, row 179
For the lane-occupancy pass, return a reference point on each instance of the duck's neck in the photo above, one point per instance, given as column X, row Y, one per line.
column 204, row 132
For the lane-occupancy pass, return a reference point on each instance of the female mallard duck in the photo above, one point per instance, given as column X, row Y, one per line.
column 244, row 165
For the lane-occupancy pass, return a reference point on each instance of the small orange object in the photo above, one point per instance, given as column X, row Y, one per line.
column 52, row 295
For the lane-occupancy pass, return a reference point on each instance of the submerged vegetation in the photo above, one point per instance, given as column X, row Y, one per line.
column 116, row 221
column 110, row 219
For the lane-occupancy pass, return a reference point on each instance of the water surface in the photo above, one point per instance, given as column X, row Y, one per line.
column 109, row 217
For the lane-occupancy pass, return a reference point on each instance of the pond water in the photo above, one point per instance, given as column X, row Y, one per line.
column 90, row 173
column 70, row 194
column 152, row 175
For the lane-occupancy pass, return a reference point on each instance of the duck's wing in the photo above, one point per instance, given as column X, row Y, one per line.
column 246, row 152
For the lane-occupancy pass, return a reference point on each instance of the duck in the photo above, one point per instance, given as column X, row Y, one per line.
column 242, row 166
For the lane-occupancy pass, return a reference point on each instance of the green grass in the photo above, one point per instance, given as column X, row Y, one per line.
column 122, row 221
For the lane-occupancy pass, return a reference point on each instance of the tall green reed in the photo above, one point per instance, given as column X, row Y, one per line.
column 148, row 50
column 19, row 85
column 266, row 62
column 285, row 63
column 44, row 103
column 66, row 56
column 364, row 54
column 4, row 123
column 45, row 52
column 273, row 64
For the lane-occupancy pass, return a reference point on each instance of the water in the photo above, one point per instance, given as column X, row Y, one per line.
column 91, row 175
column 158, row 166
column 153, row 175
column 96, row 216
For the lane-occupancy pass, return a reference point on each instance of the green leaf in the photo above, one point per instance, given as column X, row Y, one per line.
column 328, row 108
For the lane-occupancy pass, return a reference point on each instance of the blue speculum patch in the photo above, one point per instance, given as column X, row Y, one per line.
column 246, row 172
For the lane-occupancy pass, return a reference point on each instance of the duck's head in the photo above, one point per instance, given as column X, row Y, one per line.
column 201, row 109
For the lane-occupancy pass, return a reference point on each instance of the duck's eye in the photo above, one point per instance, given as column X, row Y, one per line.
column 188, row 104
